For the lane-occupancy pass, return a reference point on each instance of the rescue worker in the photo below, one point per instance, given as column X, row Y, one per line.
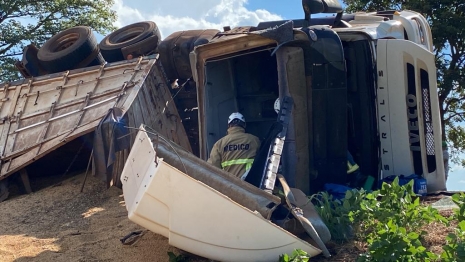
column 236, row 151
column 355, row 177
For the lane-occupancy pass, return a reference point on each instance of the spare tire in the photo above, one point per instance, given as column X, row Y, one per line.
column 175, row 50
column 67, row 49
column 111, row 46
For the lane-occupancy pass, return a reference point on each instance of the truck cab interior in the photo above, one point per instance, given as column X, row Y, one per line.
column 336, row 101
column 362, row 131
column 339, row 99
column 245, row 83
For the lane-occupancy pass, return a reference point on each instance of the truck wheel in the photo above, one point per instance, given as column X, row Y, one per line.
column 93, row 59
column 111, row 46
column 67, row 49
column 98, row 60
column 176, row 48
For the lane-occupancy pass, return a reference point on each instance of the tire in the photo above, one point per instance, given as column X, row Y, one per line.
column 111, row 46
column 67, row 49
column 93, row 59
column 98, row 60
column 175, row 50
column 142, row 48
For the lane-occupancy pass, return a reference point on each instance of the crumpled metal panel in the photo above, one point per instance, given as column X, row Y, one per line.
column 281, row 33
column 239, row 191
column 152, row 106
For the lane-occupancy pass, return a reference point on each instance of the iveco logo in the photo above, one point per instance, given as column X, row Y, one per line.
column 412, row 114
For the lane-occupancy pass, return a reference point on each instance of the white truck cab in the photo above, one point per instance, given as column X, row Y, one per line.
column 363, row 83
column 407, row 101
column 408, row 25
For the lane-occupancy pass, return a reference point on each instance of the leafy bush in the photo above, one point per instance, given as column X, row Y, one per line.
column 335, row 212
column 297, row 256
column 454, row 250
column 176, row 258
column 389, row 221
column 459, row 200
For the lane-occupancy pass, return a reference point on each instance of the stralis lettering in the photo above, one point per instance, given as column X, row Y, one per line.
column 412, row 115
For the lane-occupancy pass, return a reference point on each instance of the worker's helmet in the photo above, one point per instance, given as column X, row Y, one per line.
column 236, row 115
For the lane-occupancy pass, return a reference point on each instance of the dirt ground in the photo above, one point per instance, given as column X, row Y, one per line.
column 58, row 223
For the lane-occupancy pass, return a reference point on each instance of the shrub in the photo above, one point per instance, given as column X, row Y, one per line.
column 454, row 249
column 389, row 221
column 335, row 212
column 297, row 256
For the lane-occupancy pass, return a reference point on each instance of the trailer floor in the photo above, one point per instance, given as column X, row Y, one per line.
column 58, row 223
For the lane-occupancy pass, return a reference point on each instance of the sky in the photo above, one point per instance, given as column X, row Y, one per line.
column 177, row 15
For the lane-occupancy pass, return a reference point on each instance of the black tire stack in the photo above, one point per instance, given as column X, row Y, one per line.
column 77, row 47
column 136, row 39
column 175, row 50
column 70, row 49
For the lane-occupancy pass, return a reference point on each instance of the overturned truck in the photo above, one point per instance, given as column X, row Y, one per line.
column 311, row 89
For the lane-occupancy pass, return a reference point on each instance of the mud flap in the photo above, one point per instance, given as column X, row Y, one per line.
column 110, row 137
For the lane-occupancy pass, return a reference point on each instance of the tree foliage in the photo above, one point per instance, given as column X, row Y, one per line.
column 34, row 21
column 447, row 21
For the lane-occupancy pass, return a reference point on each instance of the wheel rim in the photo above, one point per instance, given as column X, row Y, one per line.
column 64, row 42
column 126, row 35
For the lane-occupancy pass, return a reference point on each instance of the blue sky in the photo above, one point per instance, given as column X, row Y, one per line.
column 290, row 9
column 176, row 15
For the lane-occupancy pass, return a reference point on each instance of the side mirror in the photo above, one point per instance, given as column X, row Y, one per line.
column 321, row 6
column 312, row 7
column 332, row 6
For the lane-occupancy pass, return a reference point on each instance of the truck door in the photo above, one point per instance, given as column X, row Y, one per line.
column 408, row 112
column 328, row 109
column 293, row 82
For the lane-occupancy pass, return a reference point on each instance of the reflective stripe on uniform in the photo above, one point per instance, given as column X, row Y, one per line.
column 247, row 162
column 351, row 168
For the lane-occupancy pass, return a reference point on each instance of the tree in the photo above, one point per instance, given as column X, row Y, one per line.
column 447, row 21
column 34, row 21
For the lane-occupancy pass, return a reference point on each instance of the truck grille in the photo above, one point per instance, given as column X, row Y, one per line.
column 412, row 109
column 428, row 122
